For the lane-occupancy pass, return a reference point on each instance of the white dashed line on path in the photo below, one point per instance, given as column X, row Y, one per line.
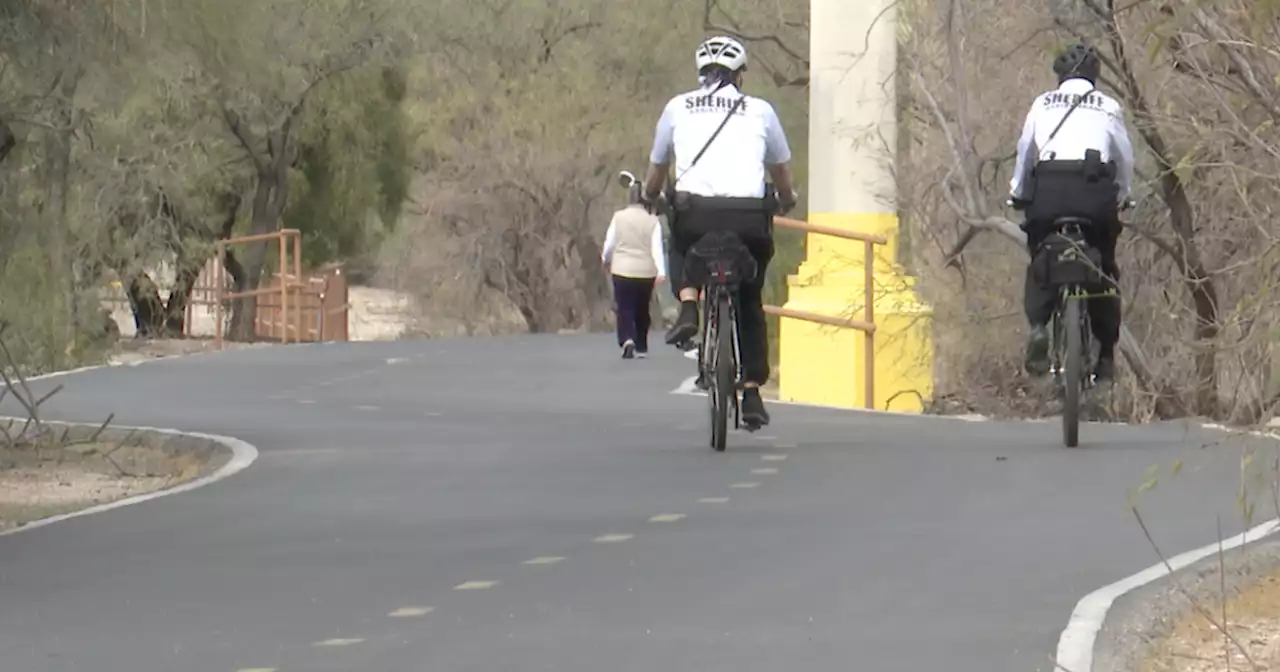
column 340, row 641
column 475, row 585
column 411, row 612
column 543, row 560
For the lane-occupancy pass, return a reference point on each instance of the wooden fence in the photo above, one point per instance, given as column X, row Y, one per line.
column 290, row 307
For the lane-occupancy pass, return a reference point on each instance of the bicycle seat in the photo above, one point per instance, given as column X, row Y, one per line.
column 1071, row 225
column 720, row 257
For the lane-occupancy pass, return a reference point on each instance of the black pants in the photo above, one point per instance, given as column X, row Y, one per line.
column 675, row 267
column 755, row 229
column 1069, row 193
column 631, row 297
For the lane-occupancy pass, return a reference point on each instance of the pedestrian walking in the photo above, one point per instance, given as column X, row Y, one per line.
column 633, row 252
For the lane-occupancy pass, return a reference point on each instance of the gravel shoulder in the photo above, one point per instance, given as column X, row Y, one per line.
column 1173, row 624
column 73, row 467
column 1194, row 641
column 134, row 350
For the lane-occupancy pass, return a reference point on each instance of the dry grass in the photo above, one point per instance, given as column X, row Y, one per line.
column 41, row 481
column 1195, row 645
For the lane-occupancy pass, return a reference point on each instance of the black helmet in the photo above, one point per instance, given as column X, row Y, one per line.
column 1079, row 60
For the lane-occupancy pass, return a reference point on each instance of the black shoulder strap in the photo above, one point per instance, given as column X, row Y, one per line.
column 1073, row 107
column 719, row 128
column 725, row 122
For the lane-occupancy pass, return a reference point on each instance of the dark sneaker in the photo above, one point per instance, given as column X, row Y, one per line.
column 1037, row 358
column 628, row 350
column 1105, row 370
column 686, row 326
column 753, row 414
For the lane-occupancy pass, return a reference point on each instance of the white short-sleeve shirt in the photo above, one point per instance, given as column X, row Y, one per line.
column 734, row 164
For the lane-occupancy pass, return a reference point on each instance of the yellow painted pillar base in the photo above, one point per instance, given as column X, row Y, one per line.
column 820, row 364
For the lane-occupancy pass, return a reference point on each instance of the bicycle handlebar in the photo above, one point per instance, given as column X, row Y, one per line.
column 1127, row 204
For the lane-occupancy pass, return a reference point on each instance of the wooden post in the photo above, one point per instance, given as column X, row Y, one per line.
column 282, row 320
column 869, row 314
column 297, row 276
column 220, row 288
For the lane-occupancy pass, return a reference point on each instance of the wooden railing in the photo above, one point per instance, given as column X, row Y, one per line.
column 282, row 239
column 867, row 324
column 290, row 307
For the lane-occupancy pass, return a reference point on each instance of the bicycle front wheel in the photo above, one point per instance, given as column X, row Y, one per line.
column 1073, row 376
column 724, row 373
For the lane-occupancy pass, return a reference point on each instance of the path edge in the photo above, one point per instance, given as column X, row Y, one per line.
column 1076, row 644
column 243, row 454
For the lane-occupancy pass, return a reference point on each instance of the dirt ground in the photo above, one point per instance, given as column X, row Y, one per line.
column 41, row 481
column 130, row 350
column 1195, row 645
column 57, row 475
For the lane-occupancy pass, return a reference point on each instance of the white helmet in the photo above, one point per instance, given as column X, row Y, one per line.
column 721, row 50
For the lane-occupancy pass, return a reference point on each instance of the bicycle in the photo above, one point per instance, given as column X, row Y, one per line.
column 1073, row 265
column 719, row 263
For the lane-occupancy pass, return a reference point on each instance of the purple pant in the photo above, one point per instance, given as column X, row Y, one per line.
column 631, row 297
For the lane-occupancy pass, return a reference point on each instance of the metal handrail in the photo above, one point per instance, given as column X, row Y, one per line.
column 867, row 324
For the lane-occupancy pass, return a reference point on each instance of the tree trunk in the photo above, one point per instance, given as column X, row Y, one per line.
column 56, row 234
column 238, row 279
column 270, row 196
column 175, row 309
column 1196, row 277
column 7, row 139
column 148, row 309
column 1204, row 298
column 268, row 205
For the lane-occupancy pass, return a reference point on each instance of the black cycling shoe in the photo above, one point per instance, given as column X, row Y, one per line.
column 686, row 326
column 753, row 414
column 1037, row 358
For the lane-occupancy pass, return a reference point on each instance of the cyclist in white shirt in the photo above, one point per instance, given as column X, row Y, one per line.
column 724, row 143
column 1074, row 159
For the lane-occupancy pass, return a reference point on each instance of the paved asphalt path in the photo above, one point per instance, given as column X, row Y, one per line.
column 392, row 473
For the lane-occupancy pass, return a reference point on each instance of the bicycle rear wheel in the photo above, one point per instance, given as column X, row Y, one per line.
column 724, row 372
column 708, row 356
column 1073, row 377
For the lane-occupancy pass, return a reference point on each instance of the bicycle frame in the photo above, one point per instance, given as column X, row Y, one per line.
column 1058, row 336
column 1070, row 227
column 713, row 321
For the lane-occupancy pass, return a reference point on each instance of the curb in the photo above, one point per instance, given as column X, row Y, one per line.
column 243, row 454
column 1075, row 652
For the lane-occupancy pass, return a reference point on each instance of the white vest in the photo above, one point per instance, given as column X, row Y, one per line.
column 633, row 253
